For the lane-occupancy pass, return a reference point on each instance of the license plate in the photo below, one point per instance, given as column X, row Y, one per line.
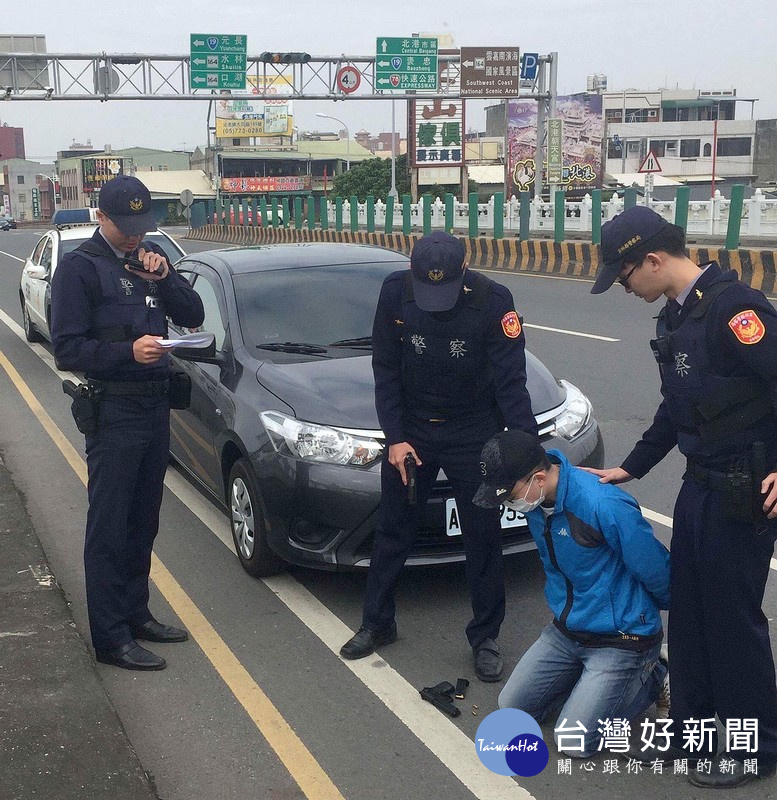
column 508, row 518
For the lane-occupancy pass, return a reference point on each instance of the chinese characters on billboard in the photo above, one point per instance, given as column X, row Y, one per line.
column 247, row 116
column 292, row 183
column 98, row 171
column 582, row 131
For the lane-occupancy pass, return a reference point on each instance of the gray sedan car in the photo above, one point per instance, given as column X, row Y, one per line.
column 282, row 429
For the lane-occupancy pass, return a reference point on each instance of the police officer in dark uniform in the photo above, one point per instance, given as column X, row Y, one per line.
column 450, row 371
column 716, row 346
column 106, row 322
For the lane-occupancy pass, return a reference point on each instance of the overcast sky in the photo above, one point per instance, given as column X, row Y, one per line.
column 687, row 44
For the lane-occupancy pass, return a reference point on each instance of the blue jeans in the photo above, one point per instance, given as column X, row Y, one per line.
column 594, row 683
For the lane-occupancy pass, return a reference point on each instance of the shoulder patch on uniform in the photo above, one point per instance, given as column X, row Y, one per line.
column 511, row 325
column 747, row 327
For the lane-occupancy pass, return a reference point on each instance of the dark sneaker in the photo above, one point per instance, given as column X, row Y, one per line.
column 366, row 641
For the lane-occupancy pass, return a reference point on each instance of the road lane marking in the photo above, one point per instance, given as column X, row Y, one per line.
column 570, row 333
column 444, row 739
column 11, row 255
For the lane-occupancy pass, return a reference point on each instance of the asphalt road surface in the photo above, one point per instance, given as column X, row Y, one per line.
column 258, row 703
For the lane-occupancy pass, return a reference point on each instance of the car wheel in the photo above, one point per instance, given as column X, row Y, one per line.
column 248, row 529
column 30, row 332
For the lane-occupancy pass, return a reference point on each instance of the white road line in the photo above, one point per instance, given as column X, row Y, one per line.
column 11, row 255
column 570, row 333
column 450, row 744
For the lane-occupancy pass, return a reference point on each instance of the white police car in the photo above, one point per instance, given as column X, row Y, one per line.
column 35, row 284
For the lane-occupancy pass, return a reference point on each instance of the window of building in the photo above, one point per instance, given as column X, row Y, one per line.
column 734, row 146
column 613, row 115
column 236, row 143
column 636, row 115
column 663, row 147
column 690, row 148
column 20, row 180
column 707, row 150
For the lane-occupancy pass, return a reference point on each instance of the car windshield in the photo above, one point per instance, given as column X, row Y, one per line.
column 68, row 245
column 318, row 305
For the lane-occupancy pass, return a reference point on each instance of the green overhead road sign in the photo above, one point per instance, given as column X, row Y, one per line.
column 217, row 61
column 406, row 64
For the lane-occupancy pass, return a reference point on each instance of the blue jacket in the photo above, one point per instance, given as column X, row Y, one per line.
column 606, row 572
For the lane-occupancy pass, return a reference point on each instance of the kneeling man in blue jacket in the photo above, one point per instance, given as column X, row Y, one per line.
column 607, row 576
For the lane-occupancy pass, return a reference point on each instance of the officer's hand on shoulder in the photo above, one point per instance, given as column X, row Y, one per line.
column 396, row 456
column 147, row 349
column 151, row 263
column 615, row 475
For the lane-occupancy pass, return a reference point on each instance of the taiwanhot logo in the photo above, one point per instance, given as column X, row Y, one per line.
column 509, row 742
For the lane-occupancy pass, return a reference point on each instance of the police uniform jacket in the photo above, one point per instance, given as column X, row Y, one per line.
column 606, row 573
column 449, row 365
column 717, row 376
column 98, row 309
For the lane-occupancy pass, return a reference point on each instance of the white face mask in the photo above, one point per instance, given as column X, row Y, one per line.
column 522, row 505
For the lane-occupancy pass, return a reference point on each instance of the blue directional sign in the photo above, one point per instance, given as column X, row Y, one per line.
column 529, row 64
column 218, row 61
column 406, row 64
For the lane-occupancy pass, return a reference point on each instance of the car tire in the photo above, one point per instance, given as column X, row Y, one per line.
column 249, row 532
column 30, row 331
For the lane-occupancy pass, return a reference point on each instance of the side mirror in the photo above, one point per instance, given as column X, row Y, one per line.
column 203, row 355
column 37, row 271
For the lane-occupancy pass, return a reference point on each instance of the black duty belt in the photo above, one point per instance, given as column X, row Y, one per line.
column 710, row 478
column 134, row 388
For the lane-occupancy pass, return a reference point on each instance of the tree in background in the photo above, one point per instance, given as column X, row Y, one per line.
column 372, row 177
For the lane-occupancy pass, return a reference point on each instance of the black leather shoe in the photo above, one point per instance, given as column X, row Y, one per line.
column 131, row 656
column 488, row 662
column 153, row 631
column 365, row 642
column 728, row 774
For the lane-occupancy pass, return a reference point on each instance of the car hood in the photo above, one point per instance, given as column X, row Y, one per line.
column 341, row 391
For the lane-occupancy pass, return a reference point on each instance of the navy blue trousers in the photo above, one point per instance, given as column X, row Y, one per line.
column 455, row 447
column 720, row 656
column 126, row 460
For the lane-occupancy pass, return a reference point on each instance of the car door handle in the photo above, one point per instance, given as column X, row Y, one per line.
column 218, row 412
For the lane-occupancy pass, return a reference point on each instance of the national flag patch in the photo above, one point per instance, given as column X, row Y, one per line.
column 511, row 325
column 747, row 327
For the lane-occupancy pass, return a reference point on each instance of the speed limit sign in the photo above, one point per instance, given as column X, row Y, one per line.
column 348, row 79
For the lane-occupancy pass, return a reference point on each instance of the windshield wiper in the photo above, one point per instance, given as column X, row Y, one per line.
column 362, row 341
column 293, row 347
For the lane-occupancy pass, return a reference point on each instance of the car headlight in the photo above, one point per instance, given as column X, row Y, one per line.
column 575, row 415
column 310, row 442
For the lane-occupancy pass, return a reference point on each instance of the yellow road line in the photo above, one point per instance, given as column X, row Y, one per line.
column 298, row 760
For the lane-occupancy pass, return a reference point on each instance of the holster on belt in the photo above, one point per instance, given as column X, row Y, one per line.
column 736, row 486
column 85, row 406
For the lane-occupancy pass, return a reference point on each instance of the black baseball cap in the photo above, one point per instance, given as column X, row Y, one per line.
column 622, row 235
column 437, row 264
column 505, row 459
column 127, row 203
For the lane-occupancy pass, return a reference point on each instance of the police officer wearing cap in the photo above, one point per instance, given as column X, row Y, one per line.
column 450, row 371
column 107, row 320
column 716, row 347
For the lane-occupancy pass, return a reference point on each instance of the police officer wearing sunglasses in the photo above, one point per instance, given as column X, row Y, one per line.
column 716, row 347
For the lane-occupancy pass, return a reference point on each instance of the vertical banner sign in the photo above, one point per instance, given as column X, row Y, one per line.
column 437, row 131
column 555, row 150
column 35, row 203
